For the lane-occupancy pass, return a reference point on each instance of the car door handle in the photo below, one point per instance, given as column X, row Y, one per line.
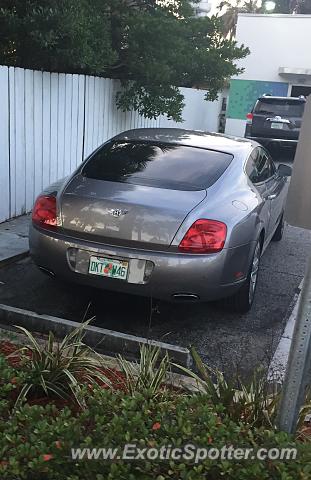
column 272, row 196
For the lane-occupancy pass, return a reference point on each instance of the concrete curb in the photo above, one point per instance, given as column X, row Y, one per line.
column 14, row 244
column 277, row 367
column 14, row 258
column 101, row 339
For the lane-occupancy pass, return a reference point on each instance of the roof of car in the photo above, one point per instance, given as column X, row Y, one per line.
column 192, row 138
column 271, row 97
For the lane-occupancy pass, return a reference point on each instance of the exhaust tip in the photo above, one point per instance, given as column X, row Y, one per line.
column 186, row 297
column 47, row 271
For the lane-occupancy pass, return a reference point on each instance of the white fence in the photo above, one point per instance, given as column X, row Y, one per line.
column 49, row 122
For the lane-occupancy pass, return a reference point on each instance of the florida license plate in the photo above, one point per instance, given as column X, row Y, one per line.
column 108, row 267
column 277, row 125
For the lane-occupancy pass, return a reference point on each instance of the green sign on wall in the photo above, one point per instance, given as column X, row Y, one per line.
column 244, row 93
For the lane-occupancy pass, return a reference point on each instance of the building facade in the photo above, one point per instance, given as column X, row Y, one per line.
column 279, row 63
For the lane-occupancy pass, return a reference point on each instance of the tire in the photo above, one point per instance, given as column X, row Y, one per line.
column 278, row 234
column 242, row 301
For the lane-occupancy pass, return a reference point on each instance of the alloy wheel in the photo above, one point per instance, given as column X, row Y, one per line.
column 254, row 273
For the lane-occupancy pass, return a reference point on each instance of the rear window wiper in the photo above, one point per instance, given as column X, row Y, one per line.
column 265, row 112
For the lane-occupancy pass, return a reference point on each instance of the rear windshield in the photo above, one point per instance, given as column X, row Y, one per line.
column 289, row 108
column 175, row 167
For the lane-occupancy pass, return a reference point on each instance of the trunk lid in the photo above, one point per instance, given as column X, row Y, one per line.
column 124, row 214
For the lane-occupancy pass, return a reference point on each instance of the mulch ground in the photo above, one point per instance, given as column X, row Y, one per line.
column 11, row 352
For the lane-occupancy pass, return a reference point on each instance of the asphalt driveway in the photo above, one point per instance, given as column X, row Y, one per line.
column 230, row 341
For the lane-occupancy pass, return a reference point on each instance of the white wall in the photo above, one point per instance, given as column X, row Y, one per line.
column 274, row 41
column 235, row 127
column 4, row 145
column 198, row 114
column 50, row 122
column 102, row 118
column 43, row 125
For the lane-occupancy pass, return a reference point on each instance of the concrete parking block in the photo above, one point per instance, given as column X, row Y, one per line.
column 101, row 339
column 14, row 239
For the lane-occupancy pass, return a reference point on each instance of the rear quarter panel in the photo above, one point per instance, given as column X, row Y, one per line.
column 234, row 200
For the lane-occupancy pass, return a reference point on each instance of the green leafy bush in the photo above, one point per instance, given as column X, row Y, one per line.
column 11, row 381
column 36, row 441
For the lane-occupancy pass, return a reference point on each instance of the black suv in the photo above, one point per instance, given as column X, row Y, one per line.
column 275, row 121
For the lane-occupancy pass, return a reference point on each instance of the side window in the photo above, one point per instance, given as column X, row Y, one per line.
column 272, row 165
column 263, row 166
column 260, row 166
column 251, row 169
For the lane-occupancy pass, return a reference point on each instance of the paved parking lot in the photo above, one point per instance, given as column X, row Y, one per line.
column 230, row 341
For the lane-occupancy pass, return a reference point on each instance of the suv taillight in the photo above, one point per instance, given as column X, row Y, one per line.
column 249, row 118
column 44, row 211
column 204, row 236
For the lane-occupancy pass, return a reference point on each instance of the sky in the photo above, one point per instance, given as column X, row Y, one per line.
column 215, row 4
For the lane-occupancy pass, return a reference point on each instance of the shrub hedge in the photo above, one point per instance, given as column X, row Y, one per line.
column 36, row 441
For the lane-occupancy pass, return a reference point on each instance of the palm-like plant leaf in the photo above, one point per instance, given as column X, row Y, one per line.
column 229, row 17
column 59, row 369
column 148, row 374
column 250, row 403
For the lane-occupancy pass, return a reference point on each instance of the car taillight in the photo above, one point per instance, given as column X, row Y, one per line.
column 204, row 236
column 249, row 117
column 44, row 211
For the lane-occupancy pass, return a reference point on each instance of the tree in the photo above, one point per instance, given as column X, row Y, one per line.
column 55, row 35
column 293, row 6
column 228, row 12
column 152, row 46
column 230, row 16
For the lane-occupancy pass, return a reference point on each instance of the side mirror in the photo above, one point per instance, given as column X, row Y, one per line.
column 284, row 170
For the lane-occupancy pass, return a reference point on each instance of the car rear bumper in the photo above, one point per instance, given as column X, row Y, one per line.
column 268, row 142
column 174, row 276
